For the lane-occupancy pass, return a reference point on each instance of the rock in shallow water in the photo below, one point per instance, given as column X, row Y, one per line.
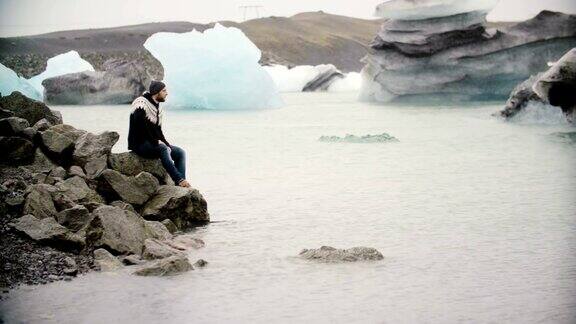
column 329, row 254
column 166, row 267
column 183, row 206
column 105, row 261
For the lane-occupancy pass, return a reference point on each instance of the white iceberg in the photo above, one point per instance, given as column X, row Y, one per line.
column 10, row 82
column 351, row 82
column 424, row 9
column 216, row 69
column 297, row 79
column 69, row 62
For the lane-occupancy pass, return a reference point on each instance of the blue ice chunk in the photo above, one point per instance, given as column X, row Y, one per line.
column 216, row 69
column 10, row 82
column 69, row 62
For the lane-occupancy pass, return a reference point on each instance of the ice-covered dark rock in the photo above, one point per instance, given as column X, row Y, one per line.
column 456, row 57
column 120, row 82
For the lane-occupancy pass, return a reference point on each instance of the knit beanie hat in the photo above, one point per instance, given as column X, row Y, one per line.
column 155, row 87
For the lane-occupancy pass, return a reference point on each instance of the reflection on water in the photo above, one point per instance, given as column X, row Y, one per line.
column 476, row 219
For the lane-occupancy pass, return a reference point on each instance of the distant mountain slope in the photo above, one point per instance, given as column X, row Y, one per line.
column 306, row 38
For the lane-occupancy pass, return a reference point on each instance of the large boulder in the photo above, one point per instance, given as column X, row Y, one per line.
column 31, row 110
column 157, row 230
column 185, row 207
column 74, row 218
column 58, row 142
column 41, row 163
column 16, row 150
column 134, row 190
column 117, row 230
column 13, row 126
column 76, row 189
column 48, row 231
column 120, row 82
column 166, row 267
column 39, row 201
column 329, row 254
column 130, row 164
column 89, row 146
column 95, row 167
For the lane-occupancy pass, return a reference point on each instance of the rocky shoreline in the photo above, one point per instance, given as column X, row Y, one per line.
column 69, row 206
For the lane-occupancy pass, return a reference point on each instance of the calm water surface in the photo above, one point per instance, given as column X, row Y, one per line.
column 476, row 219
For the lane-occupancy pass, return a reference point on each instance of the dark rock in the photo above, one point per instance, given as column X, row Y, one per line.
column 200, row 263
column 95, row 167
column 31, row 110
column 42, row 125
column 170, row 226
column 77, row 190
column 48, row 231
column 6, row 113
column 58, row 142
column 332, row 255
column 134, row 190
column 120, row 83
column 166, row 267
column 29, row 133
column 16, row 150
column 39, row 201
column 76, row 171
column 89, row 146
column 74, row 218
column 117, row 230
column 105, row 261
column 130, row 164
column 186, row 242
column 132, row 259
column 58, row 172
column 12, row 126
column 41, row 162
column 156, row 249
column 157, row 230
column 185, row 207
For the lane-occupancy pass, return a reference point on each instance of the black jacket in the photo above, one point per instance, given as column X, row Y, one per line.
column 142, row 130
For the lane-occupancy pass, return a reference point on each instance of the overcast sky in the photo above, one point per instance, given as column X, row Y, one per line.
column 27, row 17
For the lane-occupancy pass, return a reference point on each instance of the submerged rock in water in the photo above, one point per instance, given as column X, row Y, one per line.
column 329, row 254
column 421, row 54
column 381, row 138
column 169, row 266
column 120, row 82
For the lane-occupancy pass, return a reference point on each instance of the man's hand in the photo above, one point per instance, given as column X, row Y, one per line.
column 184, row 184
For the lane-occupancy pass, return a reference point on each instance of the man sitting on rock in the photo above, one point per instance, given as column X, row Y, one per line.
column 145, row 133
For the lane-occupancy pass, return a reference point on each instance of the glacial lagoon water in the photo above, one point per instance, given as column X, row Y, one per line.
column 476, row 218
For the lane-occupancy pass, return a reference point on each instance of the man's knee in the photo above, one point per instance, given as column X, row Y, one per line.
column 177, row 151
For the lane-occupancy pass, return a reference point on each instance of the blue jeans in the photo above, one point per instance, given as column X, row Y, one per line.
column 173, row 159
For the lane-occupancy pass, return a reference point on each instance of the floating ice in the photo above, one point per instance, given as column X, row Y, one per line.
column 296, row 78
column 352, row 82
column 10, row 82
column 61, row 64
column 349, row 138
column 539, row 113
column 216, row 69
column 424, row 9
